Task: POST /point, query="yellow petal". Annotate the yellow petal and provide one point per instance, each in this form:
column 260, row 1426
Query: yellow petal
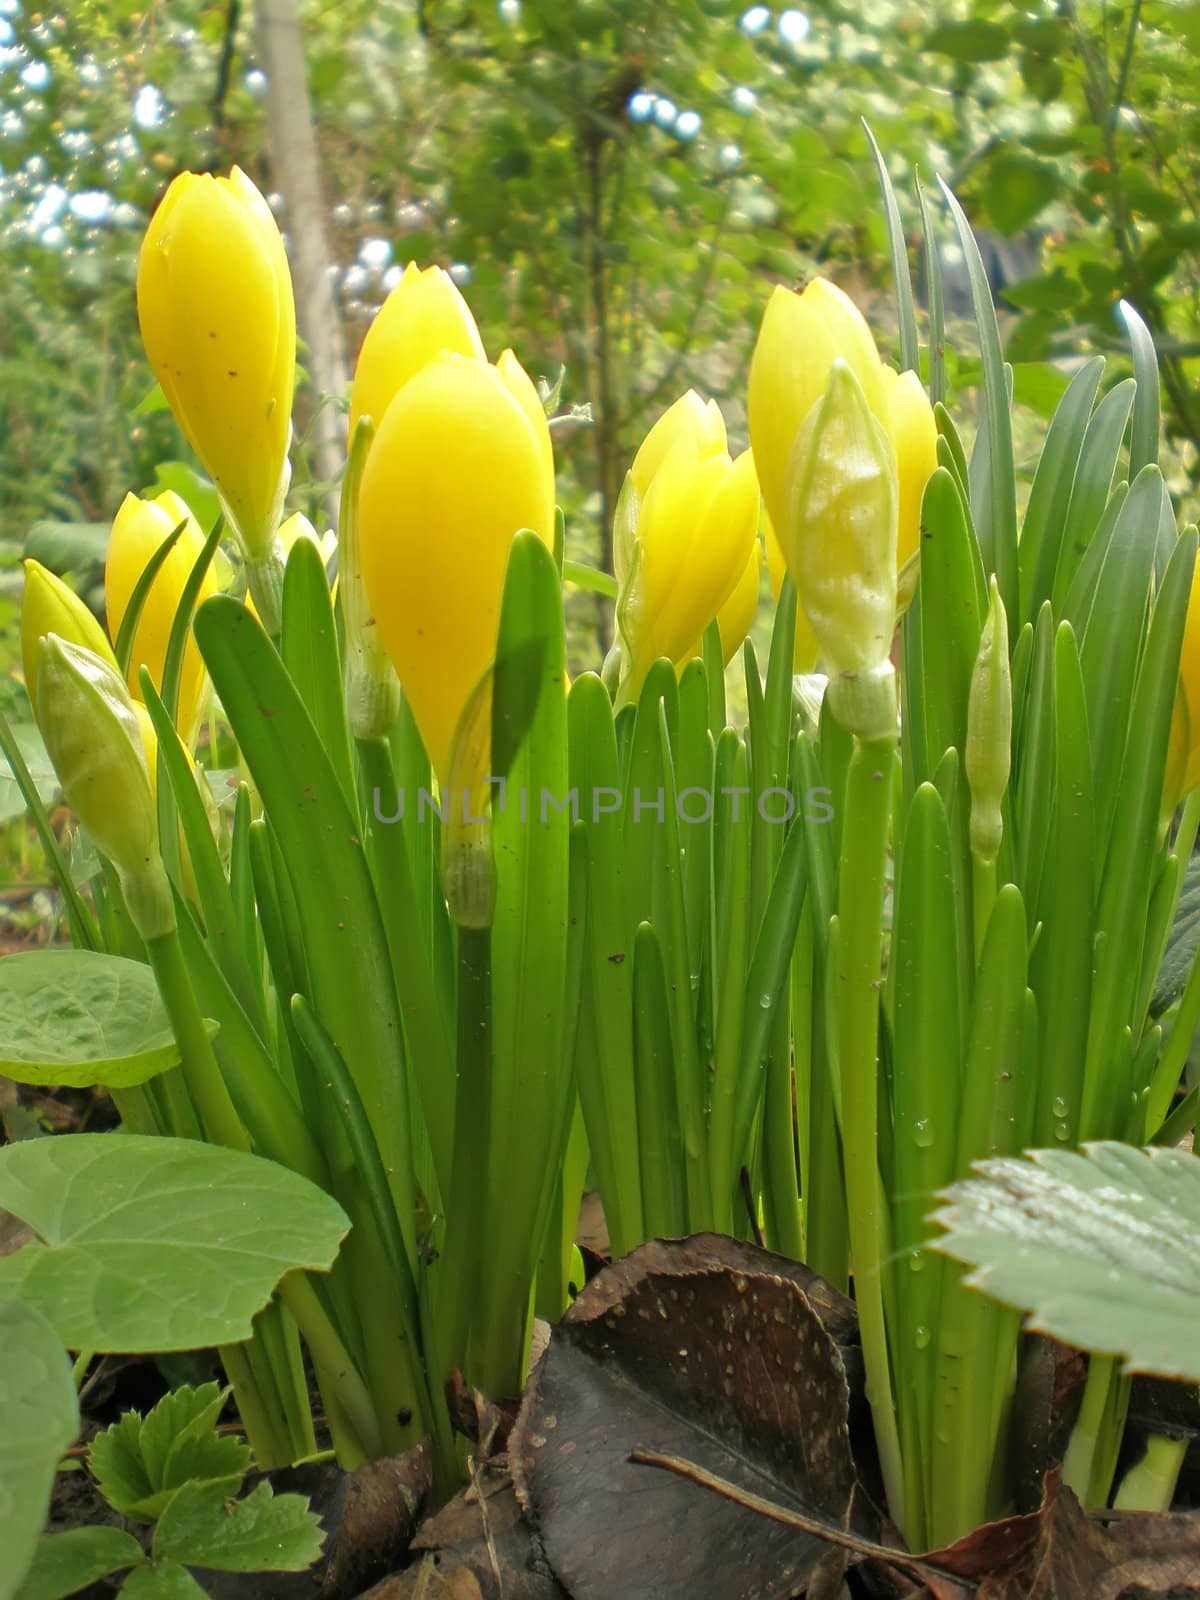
column 48, row 606
column 423, row 316
column 800, row 336
column 456, row 470
column 139, row 527
column 218, row 321
column 914, row 434
column 689, row 416
column 736, row 616
column 805, row 652
column 524, row 391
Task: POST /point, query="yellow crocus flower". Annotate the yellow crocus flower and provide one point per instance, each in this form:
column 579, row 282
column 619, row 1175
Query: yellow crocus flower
column 48, row 606
column 423, row 316
column 456, row 470
column 139, row 527
column 685, row 536
column 218, row 321
column 914, row 438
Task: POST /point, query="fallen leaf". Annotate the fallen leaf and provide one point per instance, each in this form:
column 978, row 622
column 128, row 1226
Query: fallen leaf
column 705, row 1351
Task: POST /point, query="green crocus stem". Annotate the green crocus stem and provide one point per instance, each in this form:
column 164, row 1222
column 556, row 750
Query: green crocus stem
column 333, row 1362
column 1150, row 1483
column 221, row 1123
column 983, row 898
column 1092, row 1450
column 264, row 579
column 469, row 1179
column 134, row 1109
column 267, row 1440
column 868, row 800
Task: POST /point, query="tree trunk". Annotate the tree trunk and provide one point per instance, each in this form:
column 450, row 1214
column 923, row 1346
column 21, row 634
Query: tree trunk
column 296, row 174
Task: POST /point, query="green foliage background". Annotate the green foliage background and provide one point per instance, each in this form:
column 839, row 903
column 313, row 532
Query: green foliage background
column 501, row 138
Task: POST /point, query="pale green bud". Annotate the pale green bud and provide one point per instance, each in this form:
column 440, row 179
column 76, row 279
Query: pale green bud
column 839, row 539
column 94, row 739
column 989, row 731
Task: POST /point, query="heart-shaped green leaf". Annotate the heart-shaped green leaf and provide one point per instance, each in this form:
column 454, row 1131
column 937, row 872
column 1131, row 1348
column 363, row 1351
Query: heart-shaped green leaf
column 77, row 1017
column 157, row 1244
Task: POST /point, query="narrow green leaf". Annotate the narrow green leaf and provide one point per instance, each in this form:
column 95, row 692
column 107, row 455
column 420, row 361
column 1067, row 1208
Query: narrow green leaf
column 591, row 578
column 902, row 278
column 345, row 944
column 123, row 643
column 1143, row 445
column 664, row 1178
column 933, row 283
column 531, row 1084
column 308, row 644
column 83, row 928
column 1093, row 485
column 999, row 544
column 1045, row 521
column 953, row 604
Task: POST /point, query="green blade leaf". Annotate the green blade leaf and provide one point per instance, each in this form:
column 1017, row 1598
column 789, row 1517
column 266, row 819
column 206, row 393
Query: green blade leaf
column 70, row 1561
column 1101, row 1248
column 1143, row 446
column 265, row 1532
column 78, row 1017
column 308, row 644
column 901, row 276
column 156, row 1244
column 39, row 1417
column 997, row 520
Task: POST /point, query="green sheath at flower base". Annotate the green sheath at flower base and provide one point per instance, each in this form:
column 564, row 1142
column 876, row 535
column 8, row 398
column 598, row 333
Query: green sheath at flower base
column 839, row 538
column 94, row 739
column 989, row 731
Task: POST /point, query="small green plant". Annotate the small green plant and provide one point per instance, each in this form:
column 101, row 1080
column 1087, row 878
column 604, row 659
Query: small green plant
column 174, row 1472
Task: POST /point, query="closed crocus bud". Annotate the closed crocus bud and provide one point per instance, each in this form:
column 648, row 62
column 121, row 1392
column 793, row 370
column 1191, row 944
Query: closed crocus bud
column 736, row 616
column 48, row 605
column 914, row 436
column 839, row 540
column 685, row 534
column 94, row 739
column 423, row 317
column 800, row 338
column 457, row 469
column 989, row 731
column 218, row 321
column 805, row 651
column 1183, row 752
column 139, row 528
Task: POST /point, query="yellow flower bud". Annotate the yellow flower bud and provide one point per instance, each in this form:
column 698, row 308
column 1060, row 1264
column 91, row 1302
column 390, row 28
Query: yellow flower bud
column 138, row 529
column 839, row 539
column 988, row 756
column 94, row 739
column 805, row 652
column 800, row 338
column 736, row 616
column 456, row 471
column 690, row 416
column 423, row 316
column 524, row 391
column 49, row 606
column 914, row 435
column 685, row 539
column 218, row 321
